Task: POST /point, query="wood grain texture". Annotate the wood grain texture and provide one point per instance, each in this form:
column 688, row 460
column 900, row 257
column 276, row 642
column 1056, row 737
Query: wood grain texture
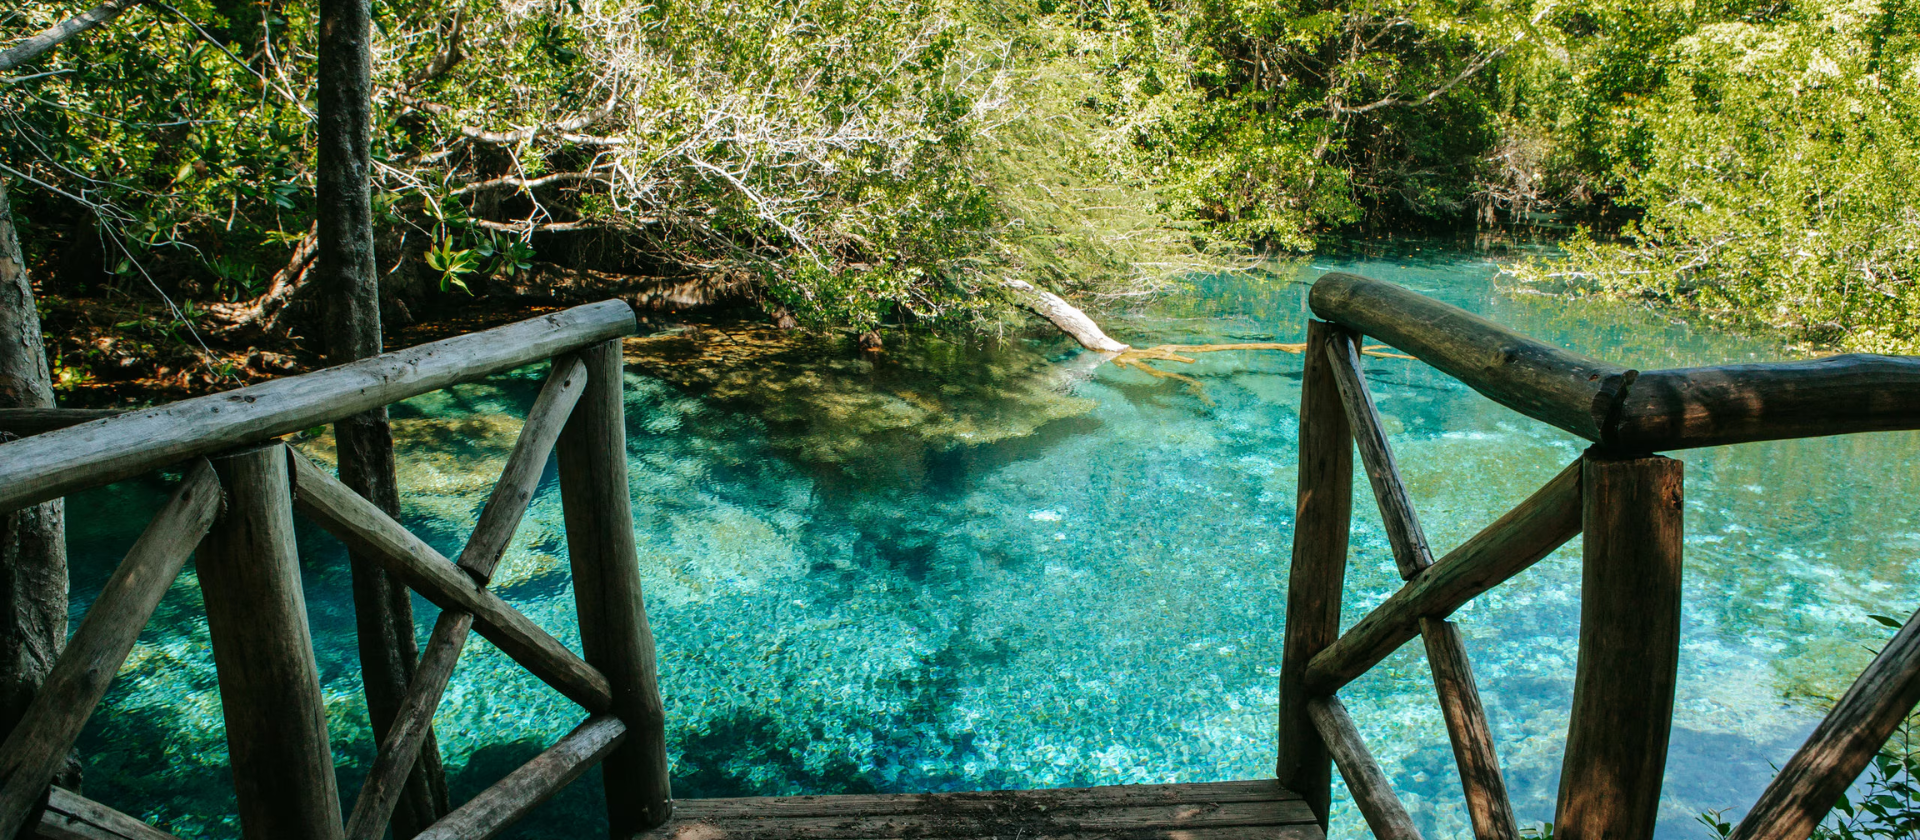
column 54, row 464
column 70, row 816
column 21, row 422
column 1372, row 793
column 1208, row 811
column 1410, row 552
column 521, row 477
column 1544, row 382
column 1323, row 515
column 1523, row 536
column 269, row 685
column 1841, row 746
column 509, row 799
column 1480, row 778
column 1629, row 649
column 363, row 527
column 1690, row 407
column 598, row 509
column 37, row 748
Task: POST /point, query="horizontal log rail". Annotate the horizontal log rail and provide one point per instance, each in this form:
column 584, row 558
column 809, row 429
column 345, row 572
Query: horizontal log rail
column 1626, row 501
column 1625, row 410
column 234, row 514
column 57, row 463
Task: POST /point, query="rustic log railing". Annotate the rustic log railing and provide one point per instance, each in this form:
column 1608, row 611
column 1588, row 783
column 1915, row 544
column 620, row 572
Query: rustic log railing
column 1627, row 502
column 234, row 514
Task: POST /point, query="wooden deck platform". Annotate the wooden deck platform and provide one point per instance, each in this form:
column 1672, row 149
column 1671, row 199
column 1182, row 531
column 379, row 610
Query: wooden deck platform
column 1253, row 810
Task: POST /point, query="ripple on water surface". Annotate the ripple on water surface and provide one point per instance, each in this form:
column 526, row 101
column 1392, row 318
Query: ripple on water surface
column 953, row 568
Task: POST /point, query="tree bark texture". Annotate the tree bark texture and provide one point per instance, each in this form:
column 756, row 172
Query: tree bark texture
column 345, row 269
column 33, row 542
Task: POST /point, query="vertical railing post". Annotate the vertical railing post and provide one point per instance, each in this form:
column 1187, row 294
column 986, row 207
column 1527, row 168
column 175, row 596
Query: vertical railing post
column 606, row 587
column 1320, row 530
column 269, row 685
column 1629, row 649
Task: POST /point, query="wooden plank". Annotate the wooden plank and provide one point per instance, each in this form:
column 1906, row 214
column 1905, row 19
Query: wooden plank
column 1410, row 551
column 1523, row 536
column 1564, row 389
column 1629, row 650
column 1689, row 407
column 1372, row 792
column 1054, row 799
column 773, row 830
column 363, row 527
column 70, row 816
column 54, row 464
column 22, row 422
column 1005, row 819
column 401, row 745
column 1480, row 777
column 1323, row 515
column 598, row 509
column 1842, row 745
column 38, row 746
column 514, row 491
column 535, row 782
column 276, row 716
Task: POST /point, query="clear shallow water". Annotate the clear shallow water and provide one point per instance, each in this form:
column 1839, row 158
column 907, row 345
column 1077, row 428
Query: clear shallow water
column 954, row 568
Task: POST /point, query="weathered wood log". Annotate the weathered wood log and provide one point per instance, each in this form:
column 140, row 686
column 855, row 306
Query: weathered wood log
column 54, row 464
column 37, row 748
column 1473, row 753
column 598, row 508
column 1372, row 792
column 356, row 522
column 23, row 422
column 37, row 44
column 1544, row 382
column 1523, row 536
column 1629, row 649
column 1689, row 407
column 1842, row 745
column 1323, row 514
column 509, row 799
column 514, row 491
column 1410, row 551
column 1067, row 317
column 269, row 685
column 70, row 816
column 413, row 722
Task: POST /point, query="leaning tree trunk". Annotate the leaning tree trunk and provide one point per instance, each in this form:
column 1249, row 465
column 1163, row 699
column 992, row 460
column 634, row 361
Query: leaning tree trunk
column 345, row 273
column 33, row 542
column 1066, row 316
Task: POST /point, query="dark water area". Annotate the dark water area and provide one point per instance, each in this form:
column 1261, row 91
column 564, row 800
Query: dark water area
column 955, row 567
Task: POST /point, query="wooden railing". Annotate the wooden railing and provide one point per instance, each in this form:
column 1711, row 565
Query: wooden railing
column 234, row 514
column 1626, row 501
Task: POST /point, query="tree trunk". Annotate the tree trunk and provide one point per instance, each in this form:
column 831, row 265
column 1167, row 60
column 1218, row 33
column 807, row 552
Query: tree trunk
column 33, row 541
column 1066, row 316
column 345, row 271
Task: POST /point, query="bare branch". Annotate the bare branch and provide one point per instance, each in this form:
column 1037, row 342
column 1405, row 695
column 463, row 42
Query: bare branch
column 46, row 39
column 529, row 184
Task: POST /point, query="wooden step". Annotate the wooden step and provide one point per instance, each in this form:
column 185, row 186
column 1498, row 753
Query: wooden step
column 1206, row 811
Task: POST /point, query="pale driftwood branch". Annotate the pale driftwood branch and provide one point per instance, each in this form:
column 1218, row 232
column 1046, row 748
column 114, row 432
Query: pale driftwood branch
column 1064, row 315
column 369, row 530
column 1372, row 792
column 1530, row 531
column 38, row 745
column 535, row 782
column 541, row 227
column 1323, row 516
column 518, row 184
column 54, row 464
column 37, row 44
column 1409, row 541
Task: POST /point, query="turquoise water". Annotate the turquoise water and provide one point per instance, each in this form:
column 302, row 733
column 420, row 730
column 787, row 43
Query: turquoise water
column 954, row 568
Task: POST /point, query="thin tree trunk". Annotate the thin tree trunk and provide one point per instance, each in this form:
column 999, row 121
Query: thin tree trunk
column 37, row 44
column 33, row 541
column 345, row 271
